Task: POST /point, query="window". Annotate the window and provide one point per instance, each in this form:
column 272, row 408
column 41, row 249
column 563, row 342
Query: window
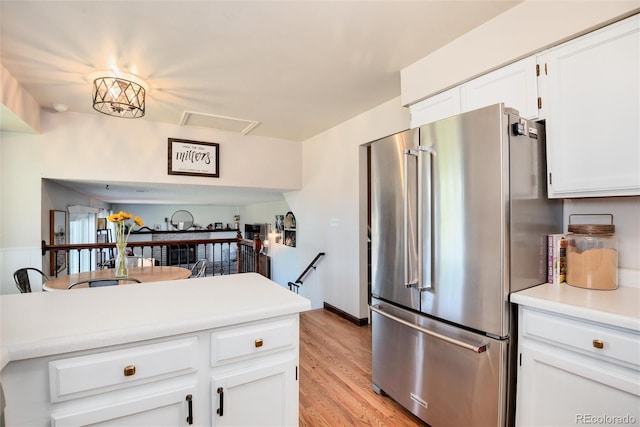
column 82, row 229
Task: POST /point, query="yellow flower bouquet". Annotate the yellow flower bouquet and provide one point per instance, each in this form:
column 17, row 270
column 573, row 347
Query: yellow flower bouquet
column 122, row 231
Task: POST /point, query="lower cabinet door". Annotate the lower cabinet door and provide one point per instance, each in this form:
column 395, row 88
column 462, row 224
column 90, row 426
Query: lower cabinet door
column 171, row 408
column 264, row 395
column 559, row 388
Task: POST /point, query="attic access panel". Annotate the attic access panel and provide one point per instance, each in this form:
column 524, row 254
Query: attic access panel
column 213, row 121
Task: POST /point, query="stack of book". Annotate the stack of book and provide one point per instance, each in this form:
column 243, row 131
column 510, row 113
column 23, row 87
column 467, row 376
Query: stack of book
column 556, row 258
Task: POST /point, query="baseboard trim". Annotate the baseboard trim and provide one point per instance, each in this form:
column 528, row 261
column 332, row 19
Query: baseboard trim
column 344, row 314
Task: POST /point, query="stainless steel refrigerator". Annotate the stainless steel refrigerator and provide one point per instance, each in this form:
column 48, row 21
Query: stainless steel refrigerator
column 459, row 218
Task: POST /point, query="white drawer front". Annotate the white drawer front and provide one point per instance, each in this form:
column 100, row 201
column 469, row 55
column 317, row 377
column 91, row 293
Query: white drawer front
column 165, row 408
column 616, row 345
column 245, row 341
column 96, row 373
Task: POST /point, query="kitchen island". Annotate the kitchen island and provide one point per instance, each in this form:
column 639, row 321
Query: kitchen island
column 579, row 356
column 181, row 352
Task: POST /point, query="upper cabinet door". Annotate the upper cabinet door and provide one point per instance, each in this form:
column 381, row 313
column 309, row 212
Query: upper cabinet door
column 515, row 85
column 441, row 106
column 593, row 113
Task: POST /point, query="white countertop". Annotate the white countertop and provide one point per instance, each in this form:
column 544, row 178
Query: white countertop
column 620, row 307
column 45, row 323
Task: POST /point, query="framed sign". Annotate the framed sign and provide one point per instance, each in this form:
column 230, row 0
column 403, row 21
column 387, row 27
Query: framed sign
column 194, row 158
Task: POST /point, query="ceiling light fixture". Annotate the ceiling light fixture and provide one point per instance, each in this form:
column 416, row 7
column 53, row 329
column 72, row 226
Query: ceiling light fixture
column 121, row 96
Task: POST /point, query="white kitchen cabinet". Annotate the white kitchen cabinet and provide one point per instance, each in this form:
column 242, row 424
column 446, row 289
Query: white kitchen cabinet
column 593, row 113
column 255, row 366
column 437, row 107
column 268, row 389
column 142, row 384
column 169, row 408
column 514, row 85
column 165, row 382
column 106, row 356
column 573, row 371
column 80, row 376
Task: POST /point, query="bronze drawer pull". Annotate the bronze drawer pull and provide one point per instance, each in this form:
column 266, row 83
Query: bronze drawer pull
column 598, row 344
column 259, row 342
column 189, row 399
column 129, row 370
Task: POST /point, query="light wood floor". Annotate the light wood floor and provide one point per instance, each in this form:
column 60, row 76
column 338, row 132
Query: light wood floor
column 335, row 376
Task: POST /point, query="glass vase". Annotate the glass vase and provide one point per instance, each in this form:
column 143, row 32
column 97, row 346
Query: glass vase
column 121, row 261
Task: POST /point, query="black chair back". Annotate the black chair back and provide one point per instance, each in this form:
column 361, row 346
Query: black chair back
column 21, row 277
column 96, row 283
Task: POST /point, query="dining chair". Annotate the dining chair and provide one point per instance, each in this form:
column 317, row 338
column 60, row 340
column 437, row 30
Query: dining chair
column 21, row 277
column 96, row 283
column 107, row 263
column 198, row 269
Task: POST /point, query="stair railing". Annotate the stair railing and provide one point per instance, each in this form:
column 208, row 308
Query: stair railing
column 295, row 286
column 247, row 258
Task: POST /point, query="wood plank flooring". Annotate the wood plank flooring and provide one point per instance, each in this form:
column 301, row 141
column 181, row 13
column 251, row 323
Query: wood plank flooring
column 335, row 376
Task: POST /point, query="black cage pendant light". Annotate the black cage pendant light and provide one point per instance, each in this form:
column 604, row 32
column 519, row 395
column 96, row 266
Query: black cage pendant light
column 115, row 96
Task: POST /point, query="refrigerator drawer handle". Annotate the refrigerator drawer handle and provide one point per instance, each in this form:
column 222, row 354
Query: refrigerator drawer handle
column 475, row 349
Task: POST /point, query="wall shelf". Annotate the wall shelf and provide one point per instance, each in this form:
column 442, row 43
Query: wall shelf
column 225, row 230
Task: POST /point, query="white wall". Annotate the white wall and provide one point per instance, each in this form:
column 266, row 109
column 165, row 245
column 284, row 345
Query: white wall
column 263, row 213
column 203, row 215
column 97, row 147
column 284, row 259
column 53, row 196
column 18, row 109
column 329, row 211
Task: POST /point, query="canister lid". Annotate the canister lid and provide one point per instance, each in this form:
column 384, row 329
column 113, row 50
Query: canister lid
column 592, row 228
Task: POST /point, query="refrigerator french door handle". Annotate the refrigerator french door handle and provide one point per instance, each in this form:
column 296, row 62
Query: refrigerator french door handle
column 466, row 346
column 424, row 218
column 410, row 280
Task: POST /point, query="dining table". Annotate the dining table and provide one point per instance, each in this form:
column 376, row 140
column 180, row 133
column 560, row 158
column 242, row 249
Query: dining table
column 142, row 274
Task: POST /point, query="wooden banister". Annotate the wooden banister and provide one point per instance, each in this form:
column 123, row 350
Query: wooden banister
column 311, row 265
column 249, row 249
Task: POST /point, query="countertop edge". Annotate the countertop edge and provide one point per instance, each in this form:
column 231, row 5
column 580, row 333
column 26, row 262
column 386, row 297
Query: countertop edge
column 123, row 315
column 619, row 308
column 118, row 337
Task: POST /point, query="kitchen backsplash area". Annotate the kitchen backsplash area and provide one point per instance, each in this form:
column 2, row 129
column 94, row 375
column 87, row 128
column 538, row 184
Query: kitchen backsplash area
column 626, row 217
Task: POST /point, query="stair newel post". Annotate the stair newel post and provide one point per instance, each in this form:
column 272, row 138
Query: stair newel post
column 238, row 252
column 257, row 246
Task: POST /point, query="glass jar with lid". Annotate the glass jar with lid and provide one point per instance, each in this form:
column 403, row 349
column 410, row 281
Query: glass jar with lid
column 592, row 255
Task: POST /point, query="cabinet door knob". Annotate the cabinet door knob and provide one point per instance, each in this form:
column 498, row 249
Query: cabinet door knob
column 129, row 370
column 598, row 344
column 259, row 342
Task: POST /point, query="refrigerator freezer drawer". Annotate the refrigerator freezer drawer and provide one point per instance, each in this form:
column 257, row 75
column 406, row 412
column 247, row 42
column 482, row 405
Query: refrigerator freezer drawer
column 444, row 375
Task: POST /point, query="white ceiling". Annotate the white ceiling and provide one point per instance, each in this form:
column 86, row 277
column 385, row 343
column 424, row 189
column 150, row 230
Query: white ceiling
column 170, row 194
column 296, row 67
